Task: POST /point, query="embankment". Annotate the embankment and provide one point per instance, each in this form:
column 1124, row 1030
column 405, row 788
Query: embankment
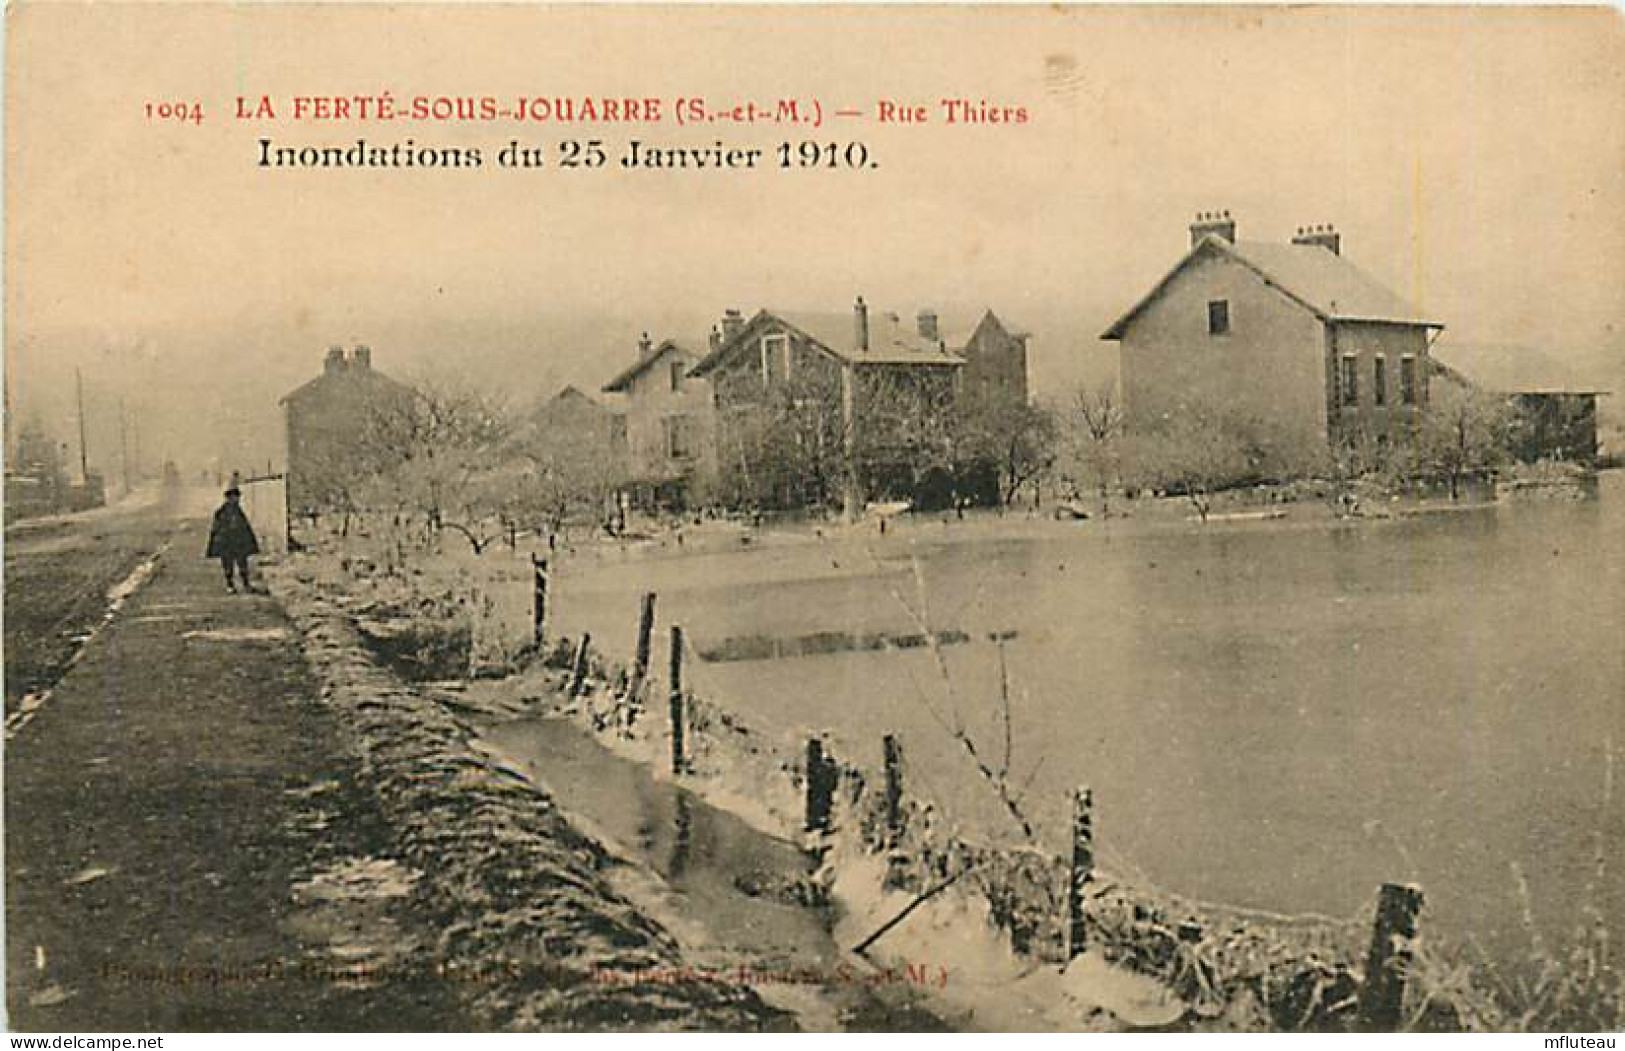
column 525, row 920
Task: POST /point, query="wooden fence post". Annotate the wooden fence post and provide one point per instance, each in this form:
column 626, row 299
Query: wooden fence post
column 893, row 751
column 640, row 661
column 677, row 759
column 822, row 777
column 578, row 668
column 538, row 609
column 1387, row 965
column 1081, row 871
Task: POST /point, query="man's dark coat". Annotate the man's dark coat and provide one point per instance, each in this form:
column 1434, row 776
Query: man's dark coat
column 231, row 536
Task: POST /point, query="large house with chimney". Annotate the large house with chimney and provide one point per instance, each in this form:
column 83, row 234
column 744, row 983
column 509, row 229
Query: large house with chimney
column 665, row 423
column 1291, row 335
column 327, row 423
column 820, row 407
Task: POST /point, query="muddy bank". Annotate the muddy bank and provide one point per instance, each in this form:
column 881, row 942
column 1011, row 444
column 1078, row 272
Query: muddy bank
column 525, row 920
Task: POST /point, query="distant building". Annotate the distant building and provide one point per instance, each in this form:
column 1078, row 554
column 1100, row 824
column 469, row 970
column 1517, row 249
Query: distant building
column 799, row 397
column 36, row 476
column 995, row 360
column 330, row 424
column 574, row 425
column 666, row 421
column 1556, row 407
column 570, row 456
column 1292, row 335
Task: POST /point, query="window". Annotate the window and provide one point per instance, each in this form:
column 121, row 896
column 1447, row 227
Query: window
column 1379, row 380
column 775, row 359
column 1218, row 317
column 677, row 375
column 1407, row 380
column 1351, row 380
column 679, row 442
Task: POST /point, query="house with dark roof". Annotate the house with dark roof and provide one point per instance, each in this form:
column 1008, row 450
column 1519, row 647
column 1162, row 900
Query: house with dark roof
column 811, row 407
column 327, row 422
column 666, row 423
column 1292, row 335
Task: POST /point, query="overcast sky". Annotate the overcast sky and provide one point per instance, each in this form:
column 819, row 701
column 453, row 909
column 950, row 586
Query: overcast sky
column 1473, row 159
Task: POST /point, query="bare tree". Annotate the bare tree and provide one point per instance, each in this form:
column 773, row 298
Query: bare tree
column 1464, row 431
column 565, row 464
column 1018, row 440
column 1093, row 429
column 443, row 447
column 786, row 450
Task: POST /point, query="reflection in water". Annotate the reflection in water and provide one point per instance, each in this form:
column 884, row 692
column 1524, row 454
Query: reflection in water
column 677, row 863
column 704, row 854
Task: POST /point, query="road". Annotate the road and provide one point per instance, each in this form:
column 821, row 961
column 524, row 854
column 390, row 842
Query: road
column 174, row 786
column 58, row 573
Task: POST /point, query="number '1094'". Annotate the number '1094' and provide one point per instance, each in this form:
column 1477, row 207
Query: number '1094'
column 185, row 112
column 811, row 154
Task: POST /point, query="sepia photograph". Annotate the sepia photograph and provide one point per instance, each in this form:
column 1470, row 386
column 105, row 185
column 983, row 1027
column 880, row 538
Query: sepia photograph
column 635, row 518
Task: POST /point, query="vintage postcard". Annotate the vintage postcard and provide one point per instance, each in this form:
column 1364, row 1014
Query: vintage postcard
column 814, row 518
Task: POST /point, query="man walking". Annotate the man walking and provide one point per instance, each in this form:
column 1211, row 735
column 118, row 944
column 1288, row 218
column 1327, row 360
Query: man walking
column 231, row 539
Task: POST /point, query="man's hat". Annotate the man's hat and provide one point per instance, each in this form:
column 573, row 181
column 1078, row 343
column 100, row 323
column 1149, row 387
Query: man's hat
column 234, row 491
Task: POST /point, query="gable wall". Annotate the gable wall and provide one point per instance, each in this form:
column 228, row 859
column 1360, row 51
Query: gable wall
column 1270, row 366
column 326, row 433
column 995, row 364
column 738, row 382
column 649, row 400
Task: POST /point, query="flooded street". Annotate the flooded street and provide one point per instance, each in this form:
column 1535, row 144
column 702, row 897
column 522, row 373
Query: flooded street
column 1276, row 715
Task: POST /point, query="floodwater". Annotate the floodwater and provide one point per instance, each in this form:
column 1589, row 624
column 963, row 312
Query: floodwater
column 738, row 879
column 1277, row 715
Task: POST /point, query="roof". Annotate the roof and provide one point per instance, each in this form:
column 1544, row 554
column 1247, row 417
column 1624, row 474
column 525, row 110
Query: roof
column 346, row 376
column 961, row 337
column 891, row 342
column 623, row 381
column 571, row 393
column 569, row 407
column 1319, row 279
column 1509, row 369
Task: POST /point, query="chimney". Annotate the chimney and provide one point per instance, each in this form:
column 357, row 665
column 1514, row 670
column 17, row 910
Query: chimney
column 715, row 338
column 1325, row 236
column 645, row 345
column 733, row 322
column 928, row 325
column 335, row 361
column 361, row 359
column 1218, row 224
column 860, row 324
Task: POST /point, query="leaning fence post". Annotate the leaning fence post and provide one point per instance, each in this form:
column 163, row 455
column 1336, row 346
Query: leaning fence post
column 578, row 667
column 821, row 781
column 538, row 609
column 1081, row 870
column 893, row 751
column 677, row 760
column 1387, row 965
column 640, row 661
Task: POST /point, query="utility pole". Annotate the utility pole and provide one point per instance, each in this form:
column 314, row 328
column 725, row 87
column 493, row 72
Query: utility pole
column 84, row 457
column 124, row 443
column 135, row 443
